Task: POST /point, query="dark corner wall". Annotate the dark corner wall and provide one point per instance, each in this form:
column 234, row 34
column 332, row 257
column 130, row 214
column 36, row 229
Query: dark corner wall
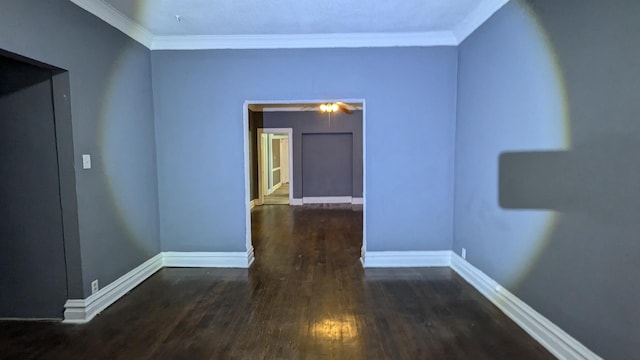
column 112, row 120
column 329, row 153
column 410, row 108
column 546, row 169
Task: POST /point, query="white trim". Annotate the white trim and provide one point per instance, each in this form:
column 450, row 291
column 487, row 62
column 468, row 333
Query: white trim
column 476, row 18
column 250, row 256
column 118, row 20
column 260, row 131
column 357, row 201
column 208, row 259
column 327, row 200
column 80, row 311
column 549, row 335
column 295, row 202
column 291, row 108
column 252, row 203
column 303, row 41
column 400, row 259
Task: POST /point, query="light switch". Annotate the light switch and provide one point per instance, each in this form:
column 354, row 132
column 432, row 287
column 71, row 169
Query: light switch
column 86, row 161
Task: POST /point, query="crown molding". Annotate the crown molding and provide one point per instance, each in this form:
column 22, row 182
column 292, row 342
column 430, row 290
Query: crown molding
column 117, row 19
column 301, row 41
column 476, row 18
column 137, row 32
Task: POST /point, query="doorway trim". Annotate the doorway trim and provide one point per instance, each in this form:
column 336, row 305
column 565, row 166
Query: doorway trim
column 247, row 174
column 261, row 180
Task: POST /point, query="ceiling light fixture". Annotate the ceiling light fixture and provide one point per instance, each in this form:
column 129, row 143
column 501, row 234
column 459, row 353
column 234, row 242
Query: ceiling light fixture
column 329, row 107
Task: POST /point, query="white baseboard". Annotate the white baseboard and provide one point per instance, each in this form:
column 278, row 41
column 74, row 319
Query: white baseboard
column 549, row 335
column 327, row 200
column 252, row 204
column 207, row 259
column 250, row 256
column 399, row 259
column 79, row 311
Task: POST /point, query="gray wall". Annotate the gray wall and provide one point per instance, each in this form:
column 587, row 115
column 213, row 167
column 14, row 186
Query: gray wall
column 327, row 164
column 32, row 257
column 311, row 122
column 562, row 167
column 112, row 119
column 410, row 99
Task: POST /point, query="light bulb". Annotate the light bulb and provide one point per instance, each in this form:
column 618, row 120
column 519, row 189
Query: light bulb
column 323, row 107
column 334, row 107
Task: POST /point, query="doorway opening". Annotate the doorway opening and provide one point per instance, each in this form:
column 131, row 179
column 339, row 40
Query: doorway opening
column 275, row 160
column 39, row 242
column 307, row 155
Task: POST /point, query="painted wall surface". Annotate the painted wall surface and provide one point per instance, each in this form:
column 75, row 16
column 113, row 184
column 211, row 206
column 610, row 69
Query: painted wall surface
column 112, row 118
column 410, row 103
column 312, row 122
column 546, row 174
column 32, row 256
column 326, row 170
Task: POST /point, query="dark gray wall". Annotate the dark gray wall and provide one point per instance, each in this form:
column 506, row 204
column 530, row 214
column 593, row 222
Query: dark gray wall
column 311, row 122
column 32, row 257
column 112, row 119
column 562, row 167
column 410, row 106
column 327, row 164
column 255, row 122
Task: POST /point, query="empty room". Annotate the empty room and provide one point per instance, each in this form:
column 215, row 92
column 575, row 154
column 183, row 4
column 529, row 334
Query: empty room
column 337, row 179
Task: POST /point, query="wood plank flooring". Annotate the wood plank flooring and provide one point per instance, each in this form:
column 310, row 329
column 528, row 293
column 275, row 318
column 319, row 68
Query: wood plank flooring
column 278, row 197
column 305, row 297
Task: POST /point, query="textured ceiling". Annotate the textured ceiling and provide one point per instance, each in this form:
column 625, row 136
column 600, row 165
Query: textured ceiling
column 241, row 17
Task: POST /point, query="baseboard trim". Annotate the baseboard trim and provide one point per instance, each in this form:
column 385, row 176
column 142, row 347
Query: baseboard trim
column 549, row 335
column 252, row 204
column 327, row 200
column 208, row 259
column 250, row 256
column 357, row 201
column 400, row 259
column 80, row 311
column 295, row 202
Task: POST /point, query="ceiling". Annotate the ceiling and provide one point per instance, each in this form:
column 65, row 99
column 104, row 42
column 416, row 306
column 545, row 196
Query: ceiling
column 188, row 24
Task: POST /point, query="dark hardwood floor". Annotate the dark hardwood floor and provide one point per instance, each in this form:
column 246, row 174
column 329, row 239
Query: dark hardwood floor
column 305, row 297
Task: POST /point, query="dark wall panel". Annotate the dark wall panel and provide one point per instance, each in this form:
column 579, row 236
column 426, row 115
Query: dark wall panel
column 327, row 165
column 32, row 258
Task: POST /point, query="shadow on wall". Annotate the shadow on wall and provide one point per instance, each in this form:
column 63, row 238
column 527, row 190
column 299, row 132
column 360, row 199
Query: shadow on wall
column 597, row 179
column 590, row 262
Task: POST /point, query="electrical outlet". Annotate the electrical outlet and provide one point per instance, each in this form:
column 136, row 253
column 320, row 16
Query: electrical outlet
column 94, row 287
column 464, row 253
